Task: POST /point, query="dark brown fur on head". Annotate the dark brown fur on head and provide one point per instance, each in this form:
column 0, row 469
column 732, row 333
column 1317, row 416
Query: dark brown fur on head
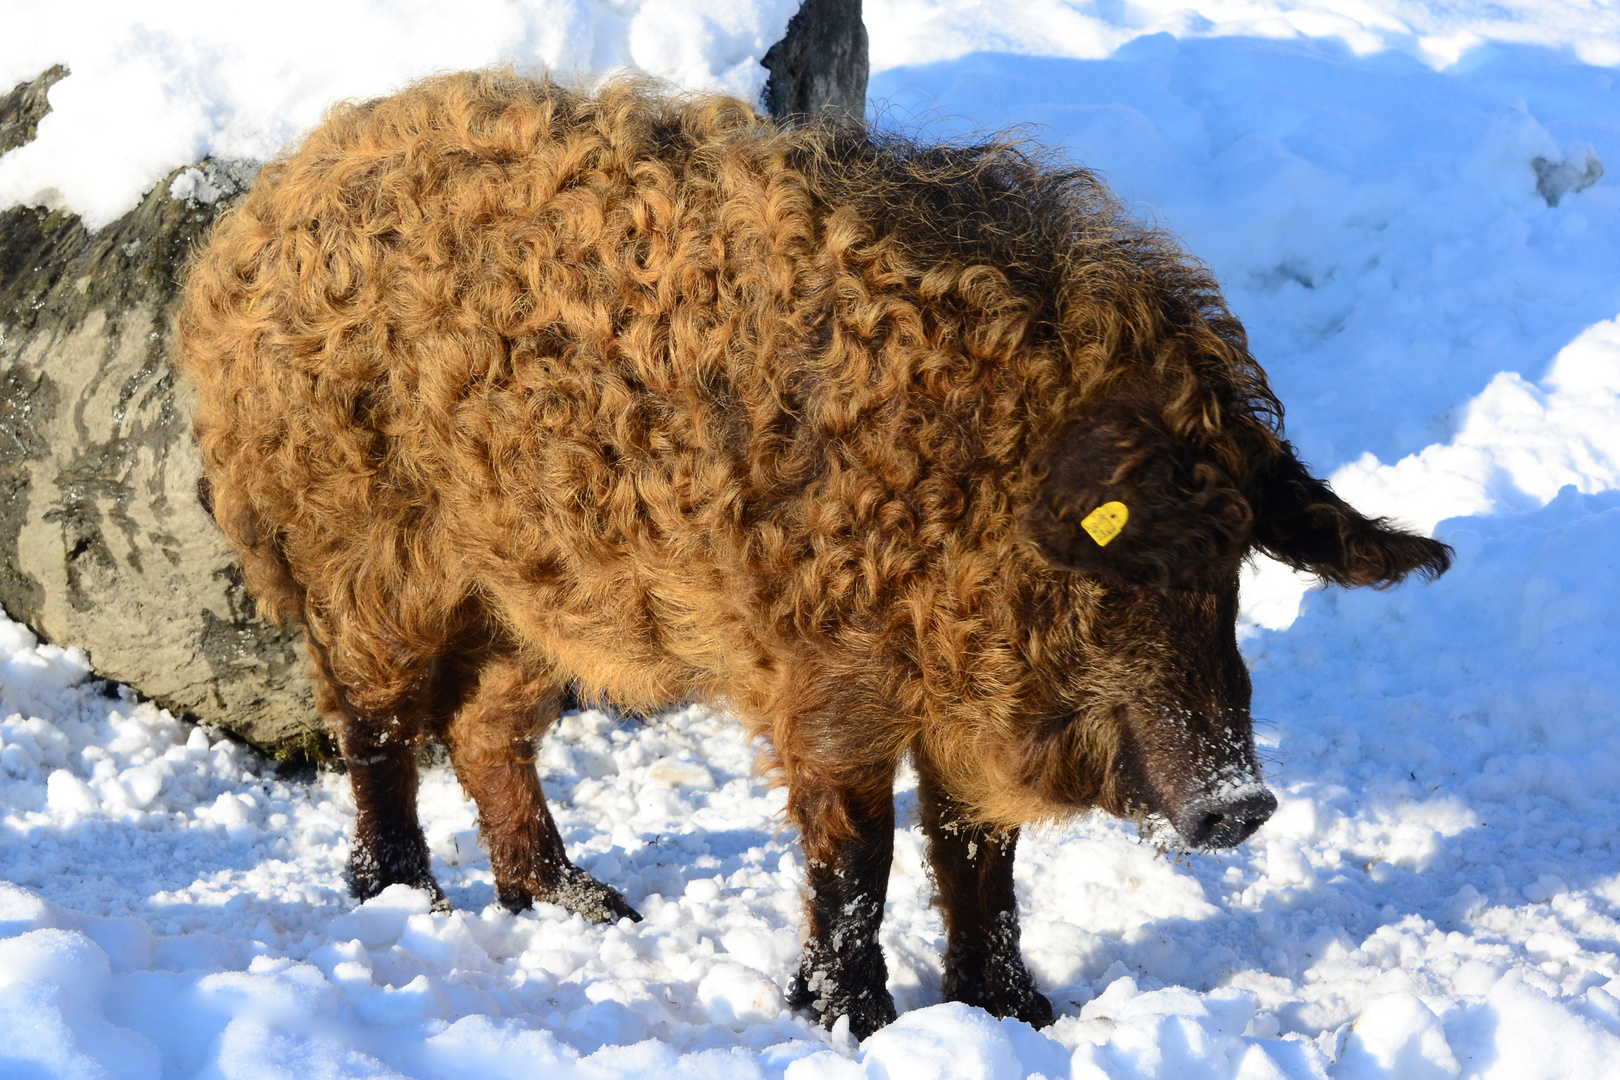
column 1188, row 522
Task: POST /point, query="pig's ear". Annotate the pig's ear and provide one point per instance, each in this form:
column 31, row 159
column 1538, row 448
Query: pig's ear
column 1299, row 521
column 1123, row 499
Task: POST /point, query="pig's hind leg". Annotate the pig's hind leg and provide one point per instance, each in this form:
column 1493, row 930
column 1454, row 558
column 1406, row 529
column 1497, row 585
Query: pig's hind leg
column 497, row 710
column 973, row 876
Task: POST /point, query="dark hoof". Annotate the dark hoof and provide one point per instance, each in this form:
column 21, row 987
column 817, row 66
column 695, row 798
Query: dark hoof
column 1012, row 994
column 868, row 1008
column 1033, row 1009
column 365, row 881
column 1029, row 1006
column 578, row 892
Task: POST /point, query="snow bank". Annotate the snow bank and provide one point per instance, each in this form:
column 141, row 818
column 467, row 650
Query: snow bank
column 1517, row 446
column 1376, row 225
column 922, row 31
column 158, row 85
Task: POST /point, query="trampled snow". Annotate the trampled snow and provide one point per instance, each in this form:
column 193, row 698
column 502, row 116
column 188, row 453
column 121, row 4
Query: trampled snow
column 1438, row 894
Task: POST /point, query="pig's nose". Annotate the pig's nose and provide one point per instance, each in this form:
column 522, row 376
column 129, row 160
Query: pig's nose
column 1225, row 819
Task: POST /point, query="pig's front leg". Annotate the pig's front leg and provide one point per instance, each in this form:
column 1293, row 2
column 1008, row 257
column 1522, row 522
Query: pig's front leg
column 973, row 873
column 848, row 832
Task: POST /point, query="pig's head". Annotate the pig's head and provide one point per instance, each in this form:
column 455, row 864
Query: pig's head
column 1149, row 707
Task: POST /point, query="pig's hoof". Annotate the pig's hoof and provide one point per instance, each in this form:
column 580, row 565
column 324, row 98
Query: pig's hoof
column 577, row 891
column 869, row 1007
column 1012, row 994
column 1032, row 1008
column 366, row 878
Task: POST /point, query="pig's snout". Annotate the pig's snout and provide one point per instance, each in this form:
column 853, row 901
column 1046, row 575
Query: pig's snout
column 1225, row 818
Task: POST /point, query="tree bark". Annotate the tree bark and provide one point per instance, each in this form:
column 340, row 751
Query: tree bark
column 820, row 65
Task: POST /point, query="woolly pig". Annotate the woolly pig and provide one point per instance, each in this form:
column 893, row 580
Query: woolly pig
column 896, row 451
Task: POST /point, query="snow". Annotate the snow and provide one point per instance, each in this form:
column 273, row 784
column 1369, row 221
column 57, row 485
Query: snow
column 1438, row 894
column 1518, row 443
column 923, row 31
column 162, row 84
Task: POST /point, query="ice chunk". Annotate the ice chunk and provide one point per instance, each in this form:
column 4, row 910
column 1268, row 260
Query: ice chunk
column 737, row 996
column 381, row 920
column 950, row 1041
column 69, row 796
column 1397, row 1037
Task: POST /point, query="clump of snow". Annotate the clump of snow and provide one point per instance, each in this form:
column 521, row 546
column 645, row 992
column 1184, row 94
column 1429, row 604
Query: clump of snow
column 206, row 184
column 1398, row 1035
column 157, row 86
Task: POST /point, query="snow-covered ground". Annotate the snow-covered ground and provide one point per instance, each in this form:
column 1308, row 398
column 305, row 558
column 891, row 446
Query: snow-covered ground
column 1438, row 895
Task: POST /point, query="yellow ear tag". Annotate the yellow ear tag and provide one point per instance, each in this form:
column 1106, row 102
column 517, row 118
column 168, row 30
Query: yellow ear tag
column 1105, row 522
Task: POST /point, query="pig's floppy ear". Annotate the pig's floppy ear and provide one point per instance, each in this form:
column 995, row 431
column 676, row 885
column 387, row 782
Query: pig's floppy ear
column 1299, row 521
column 1123, row 499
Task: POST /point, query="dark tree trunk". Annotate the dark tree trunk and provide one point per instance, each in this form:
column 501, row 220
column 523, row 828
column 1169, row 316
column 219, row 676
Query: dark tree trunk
column 820, row 65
